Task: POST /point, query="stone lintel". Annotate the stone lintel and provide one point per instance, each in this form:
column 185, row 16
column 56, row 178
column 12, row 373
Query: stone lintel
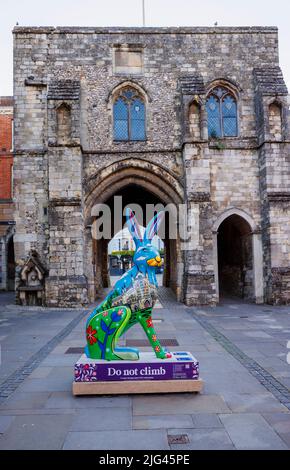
column 67, row 145
column 65, row 202
column 128, row 151
column 279, row 197
column 31, row 81
column 29, row 152
column 199, row 197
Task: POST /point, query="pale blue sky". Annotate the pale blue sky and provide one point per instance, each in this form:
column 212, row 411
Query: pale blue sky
column 129, row 13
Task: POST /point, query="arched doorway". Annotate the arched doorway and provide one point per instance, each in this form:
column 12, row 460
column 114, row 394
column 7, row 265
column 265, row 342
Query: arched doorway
column 238, row 257
column 235, row 258
column 130, row 195
column 135, row 185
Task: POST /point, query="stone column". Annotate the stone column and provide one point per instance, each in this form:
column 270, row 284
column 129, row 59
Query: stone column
column 66, row 284
column 258, row 267
column 199, row 285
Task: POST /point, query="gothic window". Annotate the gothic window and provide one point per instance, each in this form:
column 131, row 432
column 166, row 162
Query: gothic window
column 221, row 108
column 129, row 116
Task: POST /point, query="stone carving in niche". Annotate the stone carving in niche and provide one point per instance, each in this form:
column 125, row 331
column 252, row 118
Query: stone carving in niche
column 32, row 275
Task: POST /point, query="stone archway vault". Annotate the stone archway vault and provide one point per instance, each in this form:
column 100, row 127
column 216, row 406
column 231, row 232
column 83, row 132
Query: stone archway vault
column 106, row 183
column 256, row 249
column 156, row 179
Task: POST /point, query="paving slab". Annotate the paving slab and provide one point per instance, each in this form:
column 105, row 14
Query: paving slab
column 251, row 431
column 52, row 384
column 41, row 372
column 162, row 422
column 36, row 432
column 206, row 420
column 178, row 404
column 63, row 400
column 117, row 440
column 5, row 422
column 280, row 422
column 102, row 419
column 248, row 402
column 25, row 400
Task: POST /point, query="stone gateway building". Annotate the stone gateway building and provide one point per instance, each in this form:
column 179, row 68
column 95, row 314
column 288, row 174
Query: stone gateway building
column 195, row 116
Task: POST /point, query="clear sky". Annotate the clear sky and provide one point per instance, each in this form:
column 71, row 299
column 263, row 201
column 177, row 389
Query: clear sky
column 129, row 13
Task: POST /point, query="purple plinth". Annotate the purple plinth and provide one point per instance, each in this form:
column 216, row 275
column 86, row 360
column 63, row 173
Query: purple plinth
column 182, row 366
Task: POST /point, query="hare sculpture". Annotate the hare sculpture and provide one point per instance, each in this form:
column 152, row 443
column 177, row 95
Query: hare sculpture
column 131, row 301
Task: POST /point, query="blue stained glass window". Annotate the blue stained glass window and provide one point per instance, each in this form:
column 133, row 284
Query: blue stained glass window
column 221, row 109
column 121, row 130
column 129, row 116
column 137, row 120
column 229, row 108
column 213, row 117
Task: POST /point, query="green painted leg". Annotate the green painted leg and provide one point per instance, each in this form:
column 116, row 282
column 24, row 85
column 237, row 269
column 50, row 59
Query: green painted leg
column 103, row 332
column 147, row 325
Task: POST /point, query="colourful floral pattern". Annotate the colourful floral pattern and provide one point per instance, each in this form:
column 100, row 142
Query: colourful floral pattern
column 149, row 322
column 85, row 373
column 91, row 335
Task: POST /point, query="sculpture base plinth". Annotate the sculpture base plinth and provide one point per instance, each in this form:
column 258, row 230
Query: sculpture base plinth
column 147, row 375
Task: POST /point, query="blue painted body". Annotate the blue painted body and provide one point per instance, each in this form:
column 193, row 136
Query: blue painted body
column 130, row 301
column 144, row 252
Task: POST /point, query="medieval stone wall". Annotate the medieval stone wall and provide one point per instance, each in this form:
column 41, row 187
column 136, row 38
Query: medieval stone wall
column 65, row 82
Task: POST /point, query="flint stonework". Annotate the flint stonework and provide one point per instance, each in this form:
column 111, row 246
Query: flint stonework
column 66, row 159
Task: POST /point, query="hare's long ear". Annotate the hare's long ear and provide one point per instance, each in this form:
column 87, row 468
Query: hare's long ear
column 133, row 227
column 153, row 226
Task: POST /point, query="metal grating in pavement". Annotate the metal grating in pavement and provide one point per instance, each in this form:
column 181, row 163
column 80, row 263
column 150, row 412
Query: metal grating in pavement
column 177, row 439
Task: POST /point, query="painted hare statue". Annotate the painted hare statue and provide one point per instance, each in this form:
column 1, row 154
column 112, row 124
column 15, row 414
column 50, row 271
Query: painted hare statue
column 130, row 302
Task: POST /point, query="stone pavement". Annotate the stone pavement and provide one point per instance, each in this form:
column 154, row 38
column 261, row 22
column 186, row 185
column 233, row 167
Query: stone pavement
column 235, row 411
column 261, row 333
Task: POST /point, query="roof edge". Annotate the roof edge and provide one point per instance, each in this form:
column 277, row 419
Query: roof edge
column 144, row 30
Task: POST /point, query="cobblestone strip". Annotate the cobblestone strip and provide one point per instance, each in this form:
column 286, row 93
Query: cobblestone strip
column 167, row 298
column 279, row 391
column 17, row 377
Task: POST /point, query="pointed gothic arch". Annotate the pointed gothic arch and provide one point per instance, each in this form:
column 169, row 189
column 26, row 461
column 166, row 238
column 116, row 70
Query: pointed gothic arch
column 242, row 238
